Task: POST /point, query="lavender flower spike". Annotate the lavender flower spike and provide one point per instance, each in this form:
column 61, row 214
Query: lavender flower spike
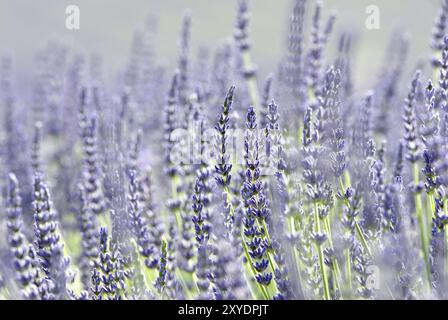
column 89, row 233
column 24, row 269
column 256, row 206
column 223, row 165
column 49, row 247
column 138, row 222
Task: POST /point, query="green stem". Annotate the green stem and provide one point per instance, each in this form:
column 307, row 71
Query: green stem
column 432, row 204
column 246, row 252
column 174, row 184
column 341, row 185
column 359, row 232
column 321, row 255
column 348, row 268
column 254, row 272
column 335, row 268
column 182, row 276
column 271, row 260
column 363, row 239
column 421, row 222
column 272, row 287
column 294, row 251
column 357, row 226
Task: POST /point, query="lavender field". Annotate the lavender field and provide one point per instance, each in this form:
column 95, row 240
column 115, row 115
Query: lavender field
column 187, row 169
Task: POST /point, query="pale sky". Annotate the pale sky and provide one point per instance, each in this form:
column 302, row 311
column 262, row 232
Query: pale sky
column 107, row 27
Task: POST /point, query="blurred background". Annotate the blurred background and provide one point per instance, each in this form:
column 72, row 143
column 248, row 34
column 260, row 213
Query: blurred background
column 107, row 28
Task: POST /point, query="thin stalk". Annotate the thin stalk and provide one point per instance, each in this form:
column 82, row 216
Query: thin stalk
column 348, row 268
column 432, row 204
column 335, row 269
column 254, row 290
column 321, row 255
column 357, row 226
column 363, row 239
column 360, row 234
column 246, row 253
column 294, row 251
column 183, row 282
column 248, row 257
column 254, row 272
column 272, row 288
column 341, row 185
column 186, row 278
column 421, row 221
column 174, row 184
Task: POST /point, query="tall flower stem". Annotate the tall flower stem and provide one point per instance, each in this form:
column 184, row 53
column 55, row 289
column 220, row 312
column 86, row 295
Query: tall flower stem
column 175, row 182
column 320, row 252
column 256, row 236
column 252, row 270
column 348, row 268
column 359, row 231
column 334, row 264
column 421, row 221
column 291, row 222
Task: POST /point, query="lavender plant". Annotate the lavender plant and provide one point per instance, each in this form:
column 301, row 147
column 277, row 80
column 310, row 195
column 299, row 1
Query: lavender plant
column 229, row 182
